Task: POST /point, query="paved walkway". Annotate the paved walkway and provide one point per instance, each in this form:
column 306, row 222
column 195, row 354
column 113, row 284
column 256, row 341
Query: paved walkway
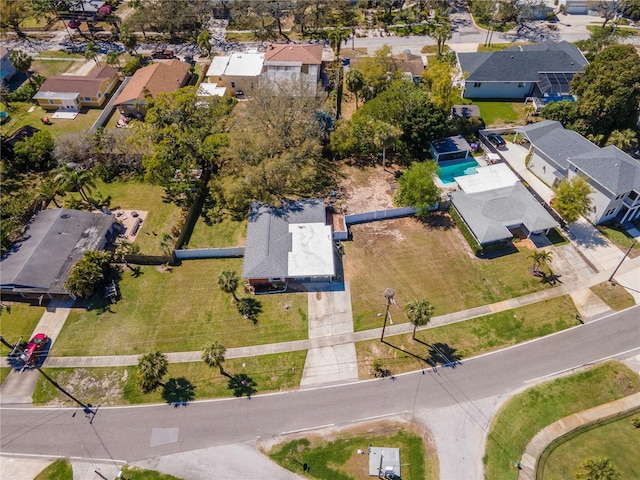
column 543, row 438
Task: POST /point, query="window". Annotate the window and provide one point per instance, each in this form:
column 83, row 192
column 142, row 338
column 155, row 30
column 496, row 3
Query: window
column 51, row 102
column 477, row 84
column 233, row 84
column 99, row 95
column 633, row 195
column 521, row 85
column 87, row 99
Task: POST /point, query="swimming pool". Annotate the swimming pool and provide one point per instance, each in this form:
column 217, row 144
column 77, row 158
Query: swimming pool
column 456, row 168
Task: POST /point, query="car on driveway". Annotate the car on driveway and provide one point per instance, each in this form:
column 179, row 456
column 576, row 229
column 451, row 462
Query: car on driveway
column 74, row 23
column 496, row 140
column 33, row 350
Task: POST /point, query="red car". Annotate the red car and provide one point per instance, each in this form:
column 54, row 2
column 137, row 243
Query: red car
column 74, row 23
column 31, row 353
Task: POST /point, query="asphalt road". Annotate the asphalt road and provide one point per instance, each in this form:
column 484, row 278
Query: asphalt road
column 135, row 433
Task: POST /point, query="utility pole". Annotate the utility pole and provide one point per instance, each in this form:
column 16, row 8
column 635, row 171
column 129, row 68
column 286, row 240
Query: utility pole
column 388, row 294
column 623, row 258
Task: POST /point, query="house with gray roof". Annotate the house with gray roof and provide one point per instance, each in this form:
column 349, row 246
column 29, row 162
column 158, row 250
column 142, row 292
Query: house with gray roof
column 521, row 71
column 52, row 242
column 291, row 243
column 614, row 176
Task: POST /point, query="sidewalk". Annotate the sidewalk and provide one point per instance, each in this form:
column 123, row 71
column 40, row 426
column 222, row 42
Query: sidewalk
column 543, row 438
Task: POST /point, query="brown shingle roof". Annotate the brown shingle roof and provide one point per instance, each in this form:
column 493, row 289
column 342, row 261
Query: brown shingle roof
column 282, row 52
column 156, row 78
column 83, row 85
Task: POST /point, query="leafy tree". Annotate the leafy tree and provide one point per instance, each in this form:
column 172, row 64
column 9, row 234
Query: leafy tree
column 6, row 98
column 626, row 140
column 21, row 62
column 124, row 248
column 152, row 367
column 417, row 187
column 597, row 469
column 354, row 81
column 48, row 190
column 438, row 79
column 379, row 71
column 204, row 42
column 34, row 153
column 213, row 355
column 565, row 112
column 88, row 273
column 440, row 30
column 598, row 40
column 13, row 14
column 228, row 282
column 573, row 199
column 419, row 312
column 423, row 123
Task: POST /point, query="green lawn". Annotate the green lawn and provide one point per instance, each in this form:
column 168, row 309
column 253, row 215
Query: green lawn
column 427, row 260
column 58, row 470
column 225, row 233
column 529, row 412
column 468, row 338
column 4, row 371
column 18, row 319
column 117, row 386
column 614, row 295
column 135, row 473
column 620, row 238
column 337, row 459
column 176, row 311
column 499, row 113
column 134, row 195
column 616, row 440
column 48, row 68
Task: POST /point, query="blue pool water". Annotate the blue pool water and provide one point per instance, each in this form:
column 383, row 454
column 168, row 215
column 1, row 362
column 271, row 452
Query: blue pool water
column 456, row 168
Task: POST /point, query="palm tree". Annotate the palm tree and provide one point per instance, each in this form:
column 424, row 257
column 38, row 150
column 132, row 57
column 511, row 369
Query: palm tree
column 48, row 190
column 204, row 42
column 124, row 248
column 228, row 281
column 354, row 81
column 384, row 136
column 113, row 59
column 388, row 293
column 72, row 178
column 419, row 313
column 213, row 356
column 597, row 469
column 91, row 52
column 151, row 368
column 539, row 257
column 336, row 36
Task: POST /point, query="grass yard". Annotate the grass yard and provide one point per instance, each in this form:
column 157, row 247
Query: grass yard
column 620, row 238
column 16, row 320
column 58, row 470
column 614, row 295
column 499, row 113
column 225, row 233
column 135, row 473
column 48, row 68
column 616, row 440
column 529, row 412
column 144, row 196
column 469, row 338
column 427, row 260
column 4, row 371
column 334, row 456
column 179, row 310
column 183, row 381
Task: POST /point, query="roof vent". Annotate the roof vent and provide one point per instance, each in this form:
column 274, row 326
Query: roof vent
column 511, row 56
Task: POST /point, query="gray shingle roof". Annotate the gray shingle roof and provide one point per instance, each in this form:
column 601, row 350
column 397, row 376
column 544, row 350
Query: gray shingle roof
column 522, row 65
column 489, row 214
column 55, row 240
column 268, row 238
column 610, row 167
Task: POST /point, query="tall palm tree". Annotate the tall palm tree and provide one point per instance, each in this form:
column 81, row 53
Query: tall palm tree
column 91, row 52
column 113, row 59
column 72, row 178
column 597, row 469
column 228, row 281
column 384, row 136
column 419, row 313
column 204, row 42
column 213, row 356
column 48, row 190
column 354, row 81
column 151, row 368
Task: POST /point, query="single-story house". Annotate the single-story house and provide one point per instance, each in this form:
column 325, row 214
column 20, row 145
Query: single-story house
column 90, row 7
column 412, row 66
column 614, row 176
column 291, row 243
column 293, row 63
column 450, row 148
column 52, row 242
column 73, row 92
column 160, row 77
column 7, row 70
column 237, row 72
column 520, row 71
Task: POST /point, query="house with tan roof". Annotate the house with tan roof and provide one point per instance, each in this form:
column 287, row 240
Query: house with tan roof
column 160, row 77
column 293, row 63
column 73, row 92
column 237, row 72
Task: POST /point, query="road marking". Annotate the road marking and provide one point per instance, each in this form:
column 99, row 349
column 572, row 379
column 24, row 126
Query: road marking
column 307, row 429
column 82, row 459
column 375, row 417
column 560, row 372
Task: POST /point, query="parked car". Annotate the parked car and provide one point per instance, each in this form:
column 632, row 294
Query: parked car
column 162, row 54
column 31, row 353
column 74, row 23
column 496, row 140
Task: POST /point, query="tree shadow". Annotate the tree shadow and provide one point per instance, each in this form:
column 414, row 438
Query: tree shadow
column 551, row 279
column 442, row 353
column 242, row 384
column 178, row 392
column 250, row 308
column 438, row 221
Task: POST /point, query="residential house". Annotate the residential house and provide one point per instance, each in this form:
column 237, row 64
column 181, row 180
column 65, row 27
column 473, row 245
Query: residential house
column 521, row 71
column 7, row 70
column 73, row 92
column 292, row 243
column 160, row 77
column 614, row 176
column 590, row 7
column 237, row 72
column 293, row 63
column 412, row 66
column 53, row 241
column 495, row 206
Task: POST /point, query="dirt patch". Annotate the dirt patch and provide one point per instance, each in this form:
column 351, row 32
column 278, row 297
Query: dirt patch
column 367, row 189
column 103, row 389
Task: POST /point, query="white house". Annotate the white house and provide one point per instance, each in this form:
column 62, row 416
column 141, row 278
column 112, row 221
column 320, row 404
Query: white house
column 293, row 63
column 237, row 72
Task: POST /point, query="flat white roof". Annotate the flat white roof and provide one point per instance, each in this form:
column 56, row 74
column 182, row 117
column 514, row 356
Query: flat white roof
column 245, row 64
column 218, row 66
column 384, row 460
column 311, row 250
column 211, row 89
column 487, row 178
